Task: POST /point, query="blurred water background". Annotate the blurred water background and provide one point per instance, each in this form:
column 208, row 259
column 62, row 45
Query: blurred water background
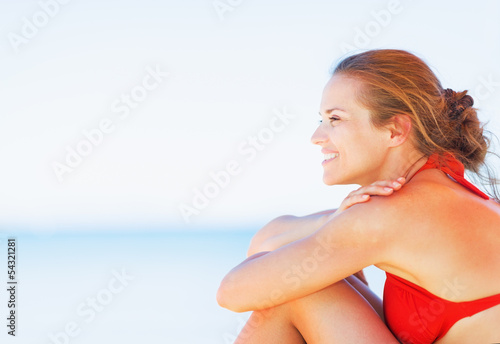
column 131, row 287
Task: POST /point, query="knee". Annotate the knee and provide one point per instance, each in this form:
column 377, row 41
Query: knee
column 282, row 311
column 273, row 228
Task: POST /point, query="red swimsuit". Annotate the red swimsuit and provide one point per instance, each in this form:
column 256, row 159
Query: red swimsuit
column 414, row 315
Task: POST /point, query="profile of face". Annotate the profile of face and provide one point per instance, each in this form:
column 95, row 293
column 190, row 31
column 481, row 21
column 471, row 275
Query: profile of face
column 354, row 150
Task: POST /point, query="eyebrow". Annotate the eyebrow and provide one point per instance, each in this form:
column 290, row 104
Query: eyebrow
column 327, row 112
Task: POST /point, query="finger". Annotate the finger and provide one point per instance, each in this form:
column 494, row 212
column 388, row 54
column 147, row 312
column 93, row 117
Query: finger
column 381, row 188
column 350, row 201
column 395, row 184
column 374, row 190
column 381, row 183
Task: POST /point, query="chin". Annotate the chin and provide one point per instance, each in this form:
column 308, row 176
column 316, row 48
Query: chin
column 331, row 181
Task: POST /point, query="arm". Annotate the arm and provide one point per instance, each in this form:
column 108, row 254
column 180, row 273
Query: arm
column 357, row 238
column 286, row 229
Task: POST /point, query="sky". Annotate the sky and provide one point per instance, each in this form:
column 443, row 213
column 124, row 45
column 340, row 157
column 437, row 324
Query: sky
column 198, row 114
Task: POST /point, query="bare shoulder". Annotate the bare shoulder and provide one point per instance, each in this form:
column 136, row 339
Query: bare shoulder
column 432, row 196
column 404, row 216
column 381, row 220
column 431, row 206
column 402, row 207
column 443, row 199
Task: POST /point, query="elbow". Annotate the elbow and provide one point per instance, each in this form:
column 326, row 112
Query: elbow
column 222, row 298
column 227, row 299
column 236, row 292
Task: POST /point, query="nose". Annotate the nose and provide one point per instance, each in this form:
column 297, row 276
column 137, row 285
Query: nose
column 318, row 136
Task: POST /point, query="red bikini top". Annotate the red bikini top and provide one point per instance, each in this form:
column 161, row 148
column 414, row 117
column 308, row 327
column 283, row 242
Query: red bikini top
column 413, row 314
column 454, row 168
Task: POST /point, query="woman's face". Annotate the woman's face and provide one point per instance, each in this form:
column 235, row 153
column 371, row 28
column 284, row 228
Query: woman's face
column 354, row 150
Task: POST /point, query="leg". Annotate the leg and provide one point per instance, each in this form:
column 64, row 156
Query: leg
column 335, row 314
column 368, row 294
column 270, row 326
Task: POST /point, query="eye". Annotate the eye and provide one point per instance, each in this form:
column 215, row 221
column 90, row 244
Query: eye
column 332, row 119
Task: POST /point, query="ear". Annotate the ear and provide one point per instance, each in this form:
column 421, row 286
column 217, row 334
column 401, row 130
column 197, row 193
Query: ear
column 399, row 129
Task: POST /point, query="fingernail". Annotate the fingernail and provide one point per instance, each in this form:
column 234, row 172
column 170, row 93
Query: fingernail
column 401, row 179
column 387, row 189
column 396, row 184
column 365, row 196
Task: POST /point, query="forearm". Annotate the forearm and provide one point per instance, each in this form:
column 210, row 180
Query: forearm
column 286, row 229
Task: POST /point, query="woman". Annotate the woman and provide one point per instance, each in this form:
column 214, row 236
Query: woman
column 389, row 126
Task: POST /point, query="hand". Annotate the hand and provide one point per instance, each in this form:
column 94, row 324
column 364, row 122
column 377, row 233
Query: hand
column 363, row 194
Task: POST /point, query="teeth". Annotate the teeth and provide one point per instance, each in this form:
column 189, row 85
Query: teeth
column 331, row 156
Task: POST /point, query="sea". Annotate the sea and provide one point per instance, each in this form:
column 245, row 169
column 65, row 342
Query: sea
column 114, row 287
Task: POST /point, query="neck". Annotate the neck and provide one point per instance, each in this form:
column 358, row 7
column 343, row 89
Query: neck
column 402, row 164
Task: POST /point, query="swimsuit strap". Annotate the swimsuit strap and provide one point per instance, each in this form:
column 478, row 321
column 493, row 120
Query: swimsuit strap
column 454, row 168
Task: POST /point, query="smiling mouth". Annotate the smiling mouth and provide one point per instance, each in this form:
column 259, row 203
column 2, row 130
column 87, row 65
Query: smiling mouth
column 329, row 157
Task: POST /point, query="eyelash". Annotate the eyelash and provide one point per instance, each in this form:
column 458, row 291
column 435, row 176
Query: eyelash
column 332, row 119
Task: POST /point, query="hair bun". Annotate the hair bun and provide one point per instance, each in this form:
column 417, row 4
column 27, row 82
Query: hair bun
column 457, row 102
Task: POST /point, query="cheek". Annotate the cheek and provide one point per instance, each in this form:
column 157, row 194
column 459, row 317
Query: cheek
column 368, row 137
column 351, row 139
column 361, row 147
